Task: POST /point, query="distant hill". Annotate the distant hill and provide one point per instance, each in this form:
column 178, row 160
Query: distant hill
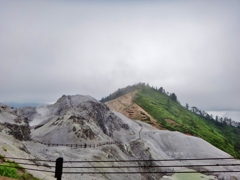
column 163, row 110
column 18, row 105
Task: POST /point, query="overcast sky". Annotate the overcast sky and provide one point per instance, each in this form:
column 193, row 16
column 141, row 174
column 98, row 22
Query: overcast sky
column 50, row 48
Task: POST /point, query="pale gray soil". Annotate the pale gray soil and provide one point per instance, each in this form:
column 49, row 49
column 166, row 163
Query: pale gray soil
column 81, row 119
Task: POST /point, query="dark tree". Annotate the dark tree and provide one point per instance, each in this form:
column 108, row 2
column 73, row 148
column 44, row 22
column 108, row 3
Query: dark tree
column 237, row 146
column 194, row 109
column 221, row 119
column 230, row 122
column 173, row 97
column 204, row 114
column 187, row 106
column 207, row 116
column 160, row 89
column 168, row 103
column 211, row 116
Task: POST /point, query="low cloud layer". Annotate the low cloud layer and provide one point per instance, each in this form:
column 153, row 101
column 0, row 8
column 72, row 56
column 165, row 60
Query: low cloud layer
column 51, row 48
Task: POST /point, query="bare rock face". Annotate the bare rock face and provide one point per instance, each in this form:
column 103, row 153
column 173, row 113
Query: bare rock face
column 20, row 132
column 10, row 115
column 77, row 118
column 85, row 132
column 104, row 118
column 14, row 124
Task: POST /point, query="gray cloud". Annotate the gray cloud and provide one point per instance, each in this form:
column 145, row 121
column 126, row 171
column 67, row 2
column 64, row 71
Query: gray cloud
column 75, row 47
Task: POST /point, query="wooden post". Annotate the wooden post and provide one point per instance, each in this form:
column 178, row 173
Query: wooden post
column 58, row 168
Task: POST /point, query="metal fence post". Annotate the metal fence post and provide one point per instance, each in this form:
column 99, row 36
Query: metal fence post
column 58, row 168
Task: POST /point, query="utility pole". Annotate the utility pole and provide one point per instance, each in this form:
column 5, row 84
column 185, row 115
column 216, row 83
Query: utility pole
column 58, row 168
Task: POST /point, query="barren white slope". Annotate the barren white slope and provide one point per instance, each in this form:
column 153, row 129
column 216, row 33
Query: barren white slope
column 82, row 119
column 8, row 115
column 164, row 144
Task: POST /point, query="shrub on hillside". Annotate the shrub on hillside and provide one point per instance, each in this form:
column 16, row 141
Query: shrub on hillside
column 7, row 169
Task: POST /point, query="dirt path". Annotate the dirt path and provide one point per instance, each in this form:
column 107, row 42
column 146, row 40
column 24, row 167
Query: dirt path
column 125, row 105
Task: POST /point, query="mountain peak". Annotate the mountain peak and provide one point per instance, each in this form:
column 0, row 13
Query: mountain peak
column 156, row 106
column 66, row 104
column 74, row 100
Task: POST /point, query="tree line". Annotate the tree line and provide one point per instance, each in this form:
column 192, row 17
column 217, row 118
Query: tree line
column 218, row 120
column 131, row 88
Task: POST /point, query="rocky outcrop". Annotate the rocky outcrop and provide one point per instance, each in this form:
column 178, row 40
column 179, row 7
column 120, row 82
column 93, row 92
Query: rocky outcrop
column 20, row 132
column 105, row 119
column 79, row 118
column 14, row 124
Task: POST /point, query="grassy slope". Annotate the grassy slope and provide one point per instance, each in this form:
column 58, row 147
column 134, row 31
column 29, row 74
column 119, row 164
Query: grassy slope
column 13, row 170
column 161, row 107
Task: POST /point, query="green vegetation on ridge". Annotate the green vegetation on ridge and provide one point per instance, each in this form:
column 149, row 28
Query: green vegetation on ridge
column 162, row 107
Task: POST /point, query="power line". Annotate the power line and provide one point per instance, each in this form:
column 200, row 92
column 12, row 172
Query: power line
column 148, row 172
column 131, row 172
column 152, row 160
column 138, row 166
column 146, row 168
column 155, row 166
